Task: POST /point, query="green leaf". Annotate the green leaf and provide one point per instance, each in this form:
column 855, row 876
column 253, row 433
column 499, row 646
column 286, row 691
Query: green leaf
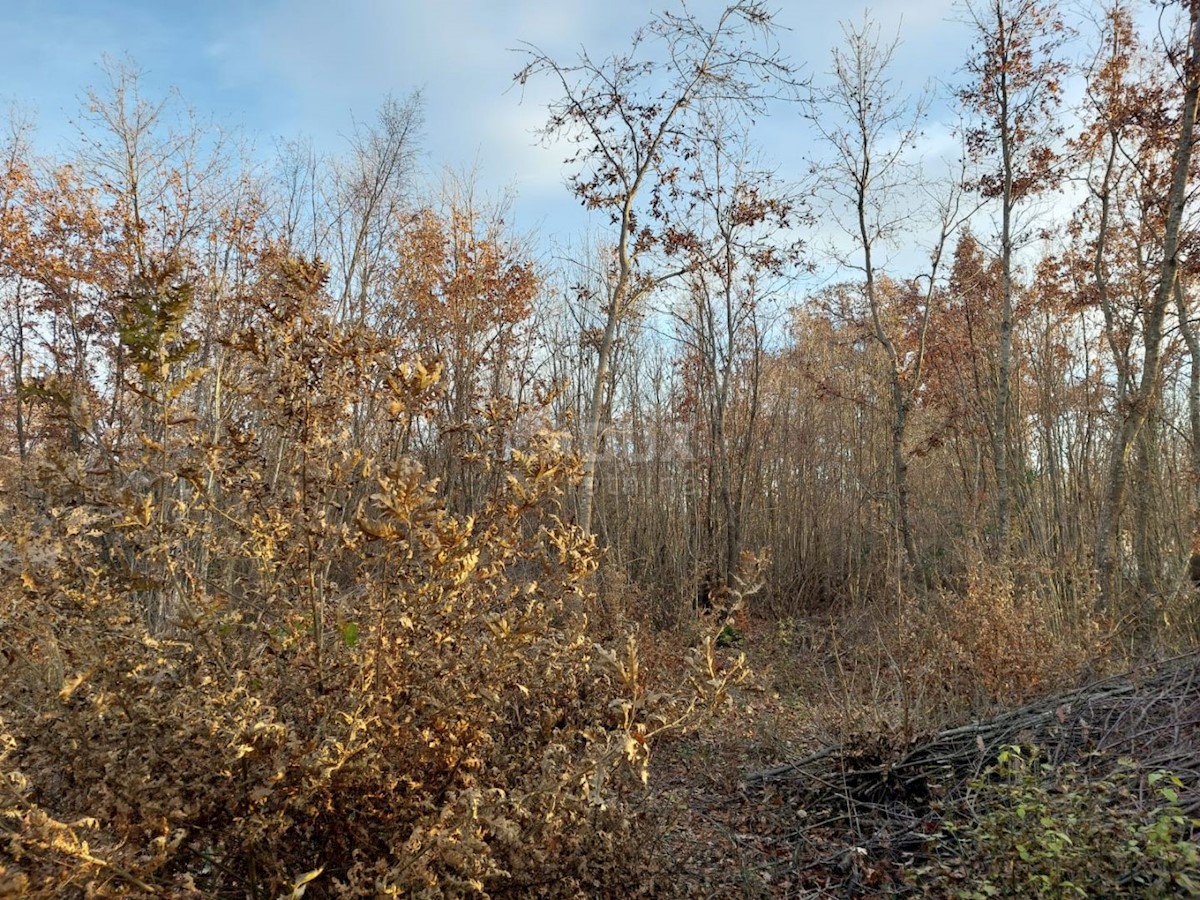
column 1187, row 884
column 350, row 633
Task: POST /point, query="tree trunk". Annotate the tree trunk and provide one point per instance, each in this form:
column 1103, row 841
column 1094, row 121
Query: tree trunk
column 1138, row 411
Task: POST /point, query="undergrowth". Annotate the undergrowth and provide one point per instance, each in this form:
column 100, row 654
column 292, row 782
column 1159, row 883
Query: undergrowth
column 1029, row 829
column 269, row 660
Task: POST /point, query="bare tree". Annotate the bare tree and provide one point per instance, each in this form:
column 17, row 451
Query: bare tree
column 369, row 191
column 627, row 118
column 1015, row 91
column 872, row 129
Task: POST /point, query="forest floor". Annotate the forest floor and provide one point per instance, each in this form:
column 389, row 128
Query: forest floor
column 877, row 789
column 730, row 838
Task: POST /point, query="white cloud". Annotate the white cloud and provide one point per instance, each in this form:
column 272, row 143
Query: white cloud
column 308, row 67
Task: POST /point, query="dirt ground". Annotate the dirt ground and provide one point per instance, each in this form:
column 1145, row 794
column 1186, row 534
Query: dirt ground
column 732, row 839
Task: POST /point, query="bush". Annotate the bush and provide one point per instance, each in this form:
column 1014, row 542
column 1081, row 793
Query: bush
column 1028, row 829
column 992, row 644
column 269, row 662
column 447, row 727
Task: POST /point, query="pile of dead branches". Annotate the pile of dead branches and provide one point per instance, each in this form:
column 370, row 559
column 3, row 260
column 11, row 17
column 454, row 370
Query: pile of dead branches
column 876, row 797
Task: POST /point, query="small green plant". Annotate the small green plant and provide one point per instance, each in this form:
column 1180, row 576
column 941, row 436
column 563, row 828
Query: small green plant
column 1030, row 829
column 786, row 631
column 730, row 636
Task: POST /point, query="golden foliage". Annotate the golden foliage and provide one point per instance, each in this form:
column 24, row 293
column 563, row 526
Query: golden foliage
column 266, row 661
column 992, row 643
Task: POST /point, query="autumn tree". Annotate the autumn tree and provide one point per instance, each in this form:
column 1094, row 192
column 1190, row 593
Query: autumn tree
column 739, row 251
column 627, row 118
column 1141, row 140
column 71, row 267
column 16, row 182
column 871, row 130
column 162, row 177
column 1015, row 91
column 464, row 291
column 960, row 366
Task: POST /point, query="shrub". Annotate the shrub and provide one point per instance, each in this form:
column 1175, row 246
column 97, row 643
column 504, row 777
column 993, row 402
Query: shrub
column 268, row 662
column 1028, row 829
column 990, row 644
column 447, row 727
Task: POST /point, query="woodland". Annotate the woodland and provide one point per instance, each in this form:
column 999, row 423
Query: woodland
column 354, row 545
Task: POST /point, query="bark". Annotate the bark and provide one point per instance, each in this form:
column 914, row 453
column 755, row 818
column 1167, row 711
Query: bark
column 618, row 301
column 1188, row 329
column 1004, row 349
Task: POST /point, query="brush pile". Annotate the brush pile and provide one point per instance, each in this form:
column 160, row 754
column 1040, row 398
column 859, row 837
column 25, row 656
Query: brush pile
column 879, row 806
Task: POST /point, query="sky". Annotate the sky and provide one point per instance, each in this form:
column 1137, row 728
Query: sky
column 309, row 68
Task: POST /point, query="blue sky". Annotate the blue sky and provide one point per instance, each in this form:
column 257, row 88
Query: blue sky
column 290, row 68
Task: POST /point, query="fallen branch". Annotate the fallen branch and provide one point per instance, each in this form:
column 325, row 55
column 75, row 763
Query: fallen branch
column 875, row 800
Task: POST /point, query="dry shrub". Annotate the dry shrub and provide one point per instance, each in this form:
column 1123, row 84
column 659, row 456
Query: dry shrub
column 993, row 643
column 1175, row 619
column 924, row 660
column 619, row 600
column 450, row 728
column 266, row 663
